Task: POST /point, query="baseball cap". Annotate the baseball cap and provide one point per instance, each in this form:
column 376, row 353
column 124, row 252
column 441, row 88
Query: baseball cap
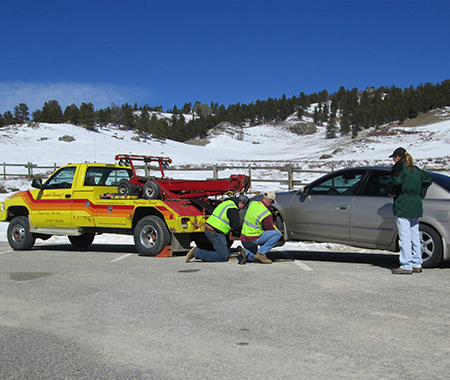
column 270, row 195
column 398, row 152
column 243, row 198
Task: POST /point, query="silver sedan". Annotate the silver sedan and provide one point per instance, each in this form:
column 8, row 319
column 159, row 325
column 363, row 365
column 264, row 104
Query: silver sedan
column 352, row 207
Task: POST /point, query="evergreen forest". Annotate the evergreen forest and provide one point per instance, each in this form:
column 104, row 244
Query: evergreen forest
column 344, row 112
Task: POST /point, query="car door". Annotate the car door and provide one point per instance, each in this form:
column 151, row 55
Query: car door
column 372, row 219
column 52, row 206
column 323, row 212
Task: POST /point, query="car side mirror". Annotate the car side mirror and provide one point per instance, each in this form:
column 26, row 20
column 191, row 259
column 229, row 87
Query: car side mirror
column 37, row 183
column 304, row 190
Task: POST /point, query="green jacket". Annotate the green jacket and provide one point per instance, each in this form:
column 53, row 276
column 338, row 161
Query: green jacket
column 408, row 186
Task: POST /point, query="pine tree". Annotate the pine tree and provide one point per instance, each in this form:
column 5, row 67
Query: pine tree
column 103, row 117
column 21, row 113
column 52, row 113
column 72, row 114
column 331, row 128
column 87, row 116
column 8, row 118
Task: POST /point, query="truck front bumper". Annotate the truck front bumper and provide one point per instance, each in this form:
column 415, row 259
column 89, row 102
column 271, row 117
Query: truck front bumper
column 3, row 212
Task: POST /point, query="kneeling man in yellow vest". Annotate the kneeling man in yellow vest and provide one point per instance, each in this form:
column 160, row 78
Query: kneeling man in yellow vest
column 259, row 234
column 224, row 218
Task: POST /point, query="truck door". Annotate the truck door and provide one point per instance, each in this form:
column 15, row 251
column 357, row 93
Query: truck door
column 52, row 207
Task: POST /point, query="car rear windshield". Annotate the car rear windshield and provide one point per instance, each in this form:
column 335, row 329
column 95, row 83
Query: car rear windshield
column 442, row 180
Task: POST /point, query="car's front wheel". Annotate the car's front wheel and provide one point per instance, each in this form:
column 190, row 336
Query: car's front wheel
column 20, row 237
column 431, row 244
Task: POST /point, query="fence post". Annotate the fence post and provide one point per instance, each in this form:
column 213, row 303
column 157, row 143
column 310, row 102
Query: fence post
column 250, row 175
column 4, row 171
column 290, row 177
column 29, row 170
column 214, row 171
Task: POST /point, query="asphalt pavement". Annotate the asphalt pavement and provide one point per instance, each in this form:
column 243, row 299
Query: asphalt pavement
column 107, row 313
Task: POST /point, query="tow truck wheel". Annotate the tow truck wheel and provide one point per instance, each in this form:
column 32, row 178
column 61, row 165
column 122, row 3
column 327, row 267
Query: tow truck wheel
column 20, row 237
column 151, row 190
column 125, row 187
column 82, row 241
column 151, row 236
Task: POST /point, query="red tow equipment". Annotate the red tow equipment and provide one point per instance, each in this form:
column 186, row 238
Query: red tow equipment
column 166, row 188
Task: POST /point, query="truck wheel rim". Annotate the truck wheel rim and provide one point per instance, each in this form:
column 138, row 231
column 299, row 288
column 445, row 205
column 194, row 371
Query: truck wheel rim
column 149, row 236
column 18, row 233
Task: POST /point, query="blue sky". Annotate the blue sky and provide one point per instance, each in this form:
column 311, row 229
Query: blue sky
column 173, row 52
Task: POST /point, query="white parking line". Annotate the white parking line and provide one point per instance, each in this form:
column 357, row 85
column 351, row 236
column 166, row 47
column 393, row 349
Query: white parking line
column 303, row 266
column 2, row 253
column 123, row 257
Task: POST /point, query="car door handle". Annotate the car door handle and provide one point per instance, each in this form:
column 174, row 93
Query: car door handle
column 67, row 196
column 343, row 207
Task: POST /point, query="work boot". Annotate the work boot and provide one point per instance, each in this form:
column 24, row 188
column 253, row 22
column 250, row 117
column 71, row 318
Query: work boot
column 191, row 254
column 241, row 256
column 401, row 271
column 262, row 258
column 417, row 270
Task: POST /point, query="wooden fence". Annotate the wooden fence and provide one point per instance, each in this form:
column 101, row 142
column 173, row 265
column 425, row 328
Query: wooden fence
column 31, row 170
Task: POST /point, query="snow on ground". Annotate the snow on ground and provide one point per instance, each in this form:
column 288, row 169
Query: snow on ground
column 264, row 144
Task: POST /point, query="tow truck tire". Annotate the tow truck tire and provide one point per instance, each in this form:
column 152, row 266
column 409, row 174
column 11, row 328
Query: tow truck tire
column 20, row 237
column 125, row 187
column 151, row 190
column 151, row 235
column 82, row 241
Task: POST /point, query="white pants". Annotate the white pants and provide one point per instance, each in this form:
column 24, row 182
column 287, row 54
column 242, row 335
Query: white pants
column 409, row 241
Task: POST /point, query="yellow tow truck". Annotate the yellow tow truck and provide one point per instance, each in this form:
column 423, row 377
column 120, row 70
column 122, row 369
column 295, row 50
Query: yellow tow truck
column 83, row 200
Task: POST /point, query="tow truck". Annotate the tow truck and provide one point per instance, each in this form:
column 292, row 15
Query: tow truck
column 86, row 199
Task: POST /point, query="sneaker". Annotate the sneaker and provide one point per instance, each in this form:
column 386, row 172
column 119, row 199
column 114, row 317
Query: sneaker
column 241, row 256
column 401, row 271
column 417, row 270
column 191, row 254
column 263, row 258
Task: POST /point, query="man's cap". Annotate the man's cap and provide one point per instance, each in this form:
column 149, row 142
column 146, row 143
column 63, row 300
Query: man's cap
column 270, row 195
column 398, row 152
column 243, row 198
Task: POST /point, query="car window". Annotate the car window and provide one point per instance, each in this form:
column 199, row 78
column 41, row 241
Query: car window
column 377, row 185
column 62, row 179
column 106, row 176
column 346, row 183
column 442, row 180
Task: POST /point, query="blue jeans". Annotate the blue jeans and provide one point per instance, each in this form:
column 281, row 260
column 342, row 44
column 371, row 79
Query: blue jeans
column 220, row 245
column 266, row 241
column 409, row 241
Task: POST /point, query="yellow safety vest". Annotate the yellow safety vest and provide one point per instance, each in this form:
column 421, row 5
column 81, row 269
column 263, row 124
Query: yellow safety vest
column 256, row 213
column 219, row 218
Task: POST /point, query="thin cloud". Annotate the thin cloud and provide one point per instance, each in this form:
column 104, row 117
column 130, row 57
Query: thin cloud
column 34, row 95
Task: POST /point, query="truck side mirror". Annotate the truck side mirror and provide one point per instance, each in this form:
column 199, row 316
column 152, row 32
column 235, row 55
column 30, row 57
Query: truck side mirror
column 37, row 183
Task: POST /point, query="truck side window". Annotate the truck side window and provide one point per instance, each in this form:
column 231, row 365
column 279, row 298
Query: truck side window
column 62, row 179
column 105, row 176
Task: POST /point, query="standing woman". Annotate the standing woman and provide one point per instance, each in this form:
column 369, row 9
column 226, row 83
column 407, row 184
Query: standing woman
column 406, row 186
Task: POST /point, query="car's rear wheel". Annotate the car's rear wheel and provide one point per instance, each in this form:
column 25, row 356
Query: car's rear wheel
column 431, row 244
